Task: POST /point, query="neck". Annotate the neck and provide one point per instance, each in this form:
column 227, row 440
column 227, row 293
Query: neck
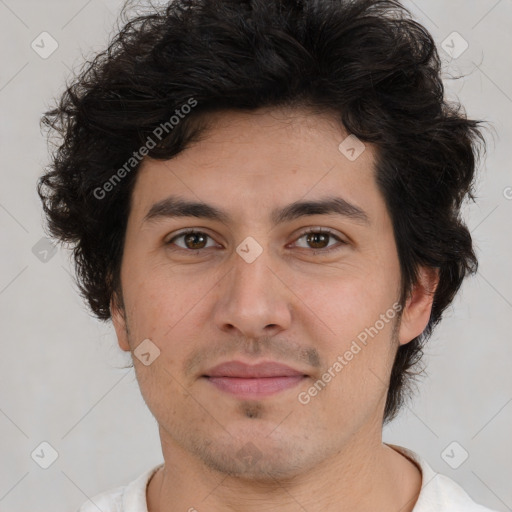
column 361, row 477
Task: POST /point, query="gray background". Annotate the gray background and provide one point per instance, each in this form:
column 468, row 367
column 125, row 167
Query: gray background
column 61, row 376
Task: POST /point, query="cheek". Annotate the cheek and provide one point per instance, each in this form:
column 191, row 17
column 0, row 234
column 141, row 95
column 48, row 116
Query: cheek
column 349, row 301
column 354, row 382
column 357, row 316
column 158, row 311
column 166, row 309
column 160, row 297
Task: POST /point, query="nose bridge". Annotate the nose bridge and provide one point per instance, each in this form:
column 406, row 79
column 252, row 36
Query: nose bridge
column 252, row 296
column 252, row 277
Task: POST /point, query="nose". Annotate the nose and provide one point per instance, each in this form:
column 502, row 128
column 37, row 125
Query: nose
column 253, row 299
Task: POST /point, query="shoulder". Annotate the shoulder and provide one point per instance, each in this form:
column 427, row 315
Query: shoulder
column 107, row 501
column 439, row 493
column 446, row 495
column 125, row 498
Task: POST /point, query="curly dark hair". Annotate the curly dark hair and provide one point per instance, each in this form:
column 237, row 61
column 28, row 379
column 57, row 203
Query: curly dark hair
column 366, row 62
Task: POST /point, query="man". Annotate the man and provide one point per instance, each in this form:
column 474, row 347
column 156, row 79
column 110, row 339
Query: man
column 264, row 198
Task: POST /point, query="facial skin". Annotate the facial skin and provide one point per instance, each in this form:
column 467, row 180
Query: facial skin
column 295, row 303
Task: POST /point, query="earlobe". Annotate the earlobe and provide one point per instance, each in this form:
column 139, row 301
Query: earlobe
column 418, row 307
column 119, row 322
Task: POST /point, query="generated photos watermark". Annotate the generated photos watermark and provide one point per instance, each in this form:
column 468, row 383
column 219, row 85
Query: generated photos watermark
column 304, row 397
column 159, row 133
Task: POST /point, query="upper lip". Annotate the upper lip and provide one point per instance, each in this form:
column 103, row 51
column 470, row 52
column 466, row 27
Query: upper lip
column 260, row 370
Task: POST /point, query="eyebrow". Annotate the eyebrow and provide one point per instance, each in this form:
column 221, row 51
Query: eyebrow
column 175, row 206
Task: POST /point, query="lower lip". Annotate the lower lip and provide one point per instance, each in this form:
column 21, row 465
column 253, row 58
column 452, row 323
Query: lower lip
column 255, row 388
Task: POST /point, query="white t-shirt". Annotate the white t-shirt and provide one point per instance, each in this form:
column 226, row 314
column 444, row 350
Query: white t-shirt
column 438, row 492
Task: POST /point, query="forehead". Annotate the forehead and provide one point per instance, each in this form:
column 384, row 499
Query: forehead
column 277, row 162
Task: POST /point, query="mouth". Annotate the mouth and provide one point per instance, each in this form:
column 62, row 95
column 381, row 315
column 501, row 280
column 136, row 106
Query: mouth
column 253, row 381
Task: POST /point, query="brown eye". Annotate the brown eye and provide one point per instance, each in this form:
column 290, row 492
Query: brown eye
column 318, row 239
column 192, row 240
column 196, row 240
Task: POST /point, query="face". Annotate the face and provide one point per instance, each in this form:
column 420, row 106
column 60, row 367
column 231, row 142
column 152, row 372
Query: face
column 253, row 286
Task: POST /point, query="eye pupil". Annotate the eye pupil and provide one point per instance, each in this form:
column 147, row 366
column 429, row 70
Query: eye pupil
column 192, row 236
column 313, row 236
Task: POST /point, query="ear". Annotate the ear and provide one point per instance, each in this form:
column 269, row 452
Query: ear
column 117, row 313
column 418, row 306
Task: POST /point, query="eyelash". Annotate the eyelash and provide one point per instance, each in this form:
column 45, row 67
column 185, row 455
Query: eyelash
column 304, row 233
